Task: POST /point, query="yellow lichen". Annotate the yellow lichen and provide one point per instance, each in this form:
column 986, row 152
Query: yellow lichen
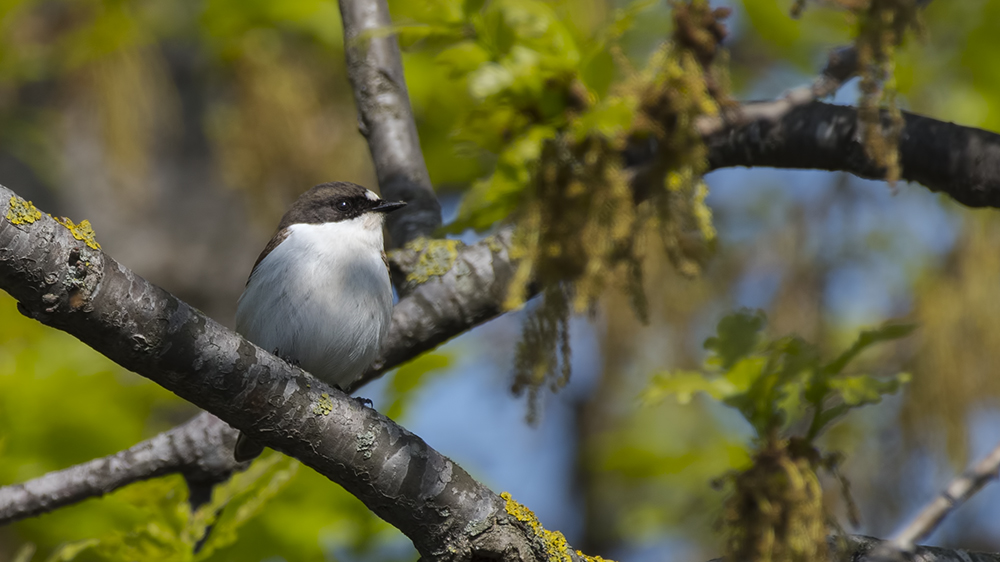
column 882, row 27
column 493, row 243
column 776, row 512
column 82, row 231
column 436, row 258
column 323, row 406
column 22, row 212
column 556, row 547
column 592, row 558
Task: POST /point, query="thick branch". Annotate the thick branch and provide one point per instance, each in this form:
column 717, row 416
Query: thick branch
column 453, row 287
column 817, row 135
column 963, row 162
column 62, row 282
column 386, row 119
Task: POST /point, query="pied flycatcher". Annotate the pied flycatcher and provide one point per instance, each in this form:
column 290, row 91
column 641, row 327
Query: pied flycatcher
column 319, row 295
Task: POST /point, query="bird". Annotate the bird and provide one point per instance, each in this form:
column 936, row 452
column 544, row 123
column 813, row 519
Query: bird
column 319, row 294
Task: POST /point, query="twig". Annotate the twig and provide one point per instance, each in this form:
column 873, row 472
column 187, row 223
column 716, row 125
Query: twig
column 957, row 493
column 841, row 65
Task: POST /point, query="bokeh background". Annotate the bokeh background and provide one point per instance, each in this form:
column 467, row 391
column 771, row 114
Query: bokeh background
column 182, row 130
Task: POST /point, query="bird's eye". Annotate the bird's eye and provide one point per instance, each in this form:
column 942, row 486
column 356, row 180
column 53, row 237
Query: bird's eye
column 343, row 206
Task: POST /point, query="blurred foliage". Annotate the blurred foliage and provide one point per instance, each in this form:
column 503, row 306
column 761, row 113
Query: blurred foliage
column 775, row 510
column 882, row 27
column 171, row 531
column 954, row 361
column 410, row 377
column 559, row 145
column 506, row 91
column 782, row 383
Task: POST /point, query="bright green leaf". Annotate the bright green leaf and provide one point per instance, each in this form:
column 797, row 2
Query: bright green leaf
column 462, row 58
column 867, row 338
column 738, row 336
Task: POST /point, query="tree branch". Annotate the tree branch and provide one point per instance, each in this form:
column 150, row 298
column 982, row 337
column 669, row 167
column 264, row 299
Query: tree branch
column 61, row 278
column 440, row 306
column 386, row 120
column 859, row 548
column 841, row 65
column 958, row 492
column 456, row 287
column 962, row 162
column 201, row 449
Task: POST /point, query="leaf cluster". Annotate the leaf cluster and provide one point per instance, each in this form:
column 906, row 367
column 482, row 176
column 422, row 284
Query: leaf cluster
column 560, row 171
column 782, row 384
column 775, row 511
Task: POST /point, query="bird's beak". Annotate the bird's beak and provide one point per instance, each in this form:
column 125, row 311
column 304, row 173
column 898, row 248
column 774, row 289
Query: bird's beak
column 388, row 206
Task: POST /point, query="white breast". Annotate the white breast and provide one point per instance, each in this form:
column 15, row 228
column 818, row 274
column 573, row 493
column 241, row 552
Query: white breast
column 322, row 298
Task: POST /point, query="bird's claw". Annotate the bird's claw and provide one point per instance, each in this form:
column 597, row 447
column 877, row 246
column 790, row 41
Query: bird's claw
column 294, row 362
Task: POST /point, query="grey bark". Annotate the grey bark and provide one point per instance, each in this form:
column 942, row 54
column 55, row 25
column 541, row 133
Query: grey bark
column 962, row 162
column 386, row 119
column 62, row 282
column 200, row 449
column 475, row 279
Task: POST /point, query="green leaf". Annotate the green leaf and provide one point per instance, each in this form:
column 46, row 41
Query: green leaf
column 462, row 58
column 170, row 531
column 534, row 25
column 489, row 79
column 867, row 338
column 683, row 385
column 470, row 7
column 72, row 550
column 494, row 199
column 861, row 390
column 775, row 384
column 610, row 118
column 745, row 373
column 856, row 391
column 738, row 336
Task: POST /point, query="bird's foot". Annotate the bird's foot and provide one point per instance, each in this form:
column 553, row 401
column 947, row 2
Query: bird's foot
column 365, row 402
column 293, row 361
column 246, row 449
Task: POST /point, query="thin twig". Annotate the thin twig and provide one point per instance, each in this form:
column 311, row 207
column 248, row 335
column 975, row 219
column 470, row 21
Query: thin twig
column 957, row 493
column 841, row 65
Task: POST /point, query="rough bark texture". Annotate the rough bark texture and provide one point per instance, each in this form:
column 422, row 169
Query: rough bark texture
column 450, row 288
column 65, row 283
column 386, row 120
column 454, row 287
